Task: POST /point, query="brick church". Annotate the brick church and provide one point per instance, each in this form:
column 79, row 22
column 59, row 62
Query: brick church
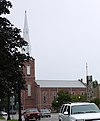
column 41, row 93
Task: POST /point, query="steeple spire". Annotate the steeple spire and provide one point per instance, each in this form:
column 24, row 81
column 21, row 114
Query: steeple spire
column 26, row 49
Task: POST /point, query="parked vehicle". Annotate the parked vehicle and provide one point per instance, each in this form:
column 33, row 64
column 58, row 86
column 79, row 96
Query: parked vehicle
column 45, row 113
column 23, row 112
column 12, row 112
column 32, row 114
column 3, row 113
column 79, row 112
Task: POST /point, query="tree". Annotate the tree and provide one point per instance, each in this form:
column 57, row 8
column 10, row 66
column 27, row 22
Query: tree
column 96, row 101
column 10, row 55
column 11, row 58
column 65, row 97
column 95, row 84
column 62, row 97
column 79, row 98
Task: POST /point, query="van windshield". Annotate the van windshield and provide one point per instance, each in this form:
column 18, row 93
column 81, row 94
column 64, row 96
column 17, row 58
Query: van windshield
column 88, row 108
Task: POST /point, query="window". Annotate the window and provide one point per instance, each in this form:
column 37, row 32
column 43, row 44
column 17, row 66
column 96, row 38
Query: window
column 29, row 90
column 54, row 94
column 61, row 109
column 65, row 108
column 89, row 108
column 82, row 93
column 44, row 95
column 28, row 70
column 44, row 99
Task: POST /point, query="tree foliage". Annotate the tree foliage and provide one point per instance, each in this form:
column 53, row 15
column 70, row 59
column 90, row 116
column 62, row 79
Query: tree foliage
column 11, row 58
column 96, row 101
column 62, row 97
column 79, row 98
column 95, row 84
column 65, row 97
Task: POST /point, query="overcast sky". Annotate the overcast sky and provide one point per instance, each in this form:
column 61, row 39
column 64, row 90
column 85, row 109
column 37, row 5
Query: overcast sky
column 64, row 36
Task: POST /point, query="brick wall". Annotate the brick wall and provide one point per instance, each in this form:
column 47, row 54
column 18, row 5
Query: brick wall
column 28, row 96
column 41, row 97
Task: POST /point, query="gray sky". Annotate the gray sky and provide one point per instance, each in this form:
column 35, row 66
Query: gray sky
column 64, row 35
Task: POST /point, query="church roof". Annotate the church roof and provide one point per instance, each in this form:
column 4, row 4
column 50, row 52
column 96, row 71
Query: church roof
column 60, row 84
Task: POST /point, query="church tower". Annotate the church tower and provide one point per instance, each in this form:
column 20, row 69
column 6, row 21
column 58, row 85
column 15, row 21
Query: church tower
column 26, row 49
column 28, row 96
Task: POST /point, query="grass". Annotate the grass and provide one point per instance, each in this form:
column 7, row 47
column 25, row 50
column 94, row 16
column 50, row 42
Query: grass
column 1, row 117
column 13, row 120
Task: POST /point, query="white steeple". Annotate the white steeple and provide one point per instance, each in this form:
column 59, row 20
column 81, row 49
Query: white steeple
column 26, row 49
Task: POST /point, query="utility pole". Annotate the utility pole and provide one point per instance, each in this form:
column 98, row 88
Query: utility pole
column 19, row 101
column 86, row 72
column 8, row 103
column 19, row 97
column 87, row 80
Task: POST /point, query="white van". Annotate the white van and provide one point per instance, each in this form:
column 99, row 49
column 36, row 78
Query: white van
column 80, row 111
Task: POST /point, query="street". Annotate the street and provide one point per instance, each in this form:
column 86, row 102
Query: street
column 54, row 117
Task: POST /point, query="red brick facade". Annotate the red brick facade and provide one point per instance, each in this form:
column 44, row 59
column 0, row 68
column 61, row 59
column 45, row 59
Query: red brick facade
column 41, row 97
column 29, row 100
column 47, row 95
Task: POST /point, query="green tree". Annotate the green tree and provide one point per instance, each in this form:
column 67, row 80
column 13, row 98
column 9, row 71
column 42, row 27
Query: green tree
column 78, row 98
column 95, row 84
column 96, row 101
column 62, row 97
column 11, row 58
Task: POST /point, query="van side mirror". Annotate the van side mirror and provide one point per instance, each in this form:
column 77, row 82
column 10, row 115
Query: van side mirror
column 65, row 113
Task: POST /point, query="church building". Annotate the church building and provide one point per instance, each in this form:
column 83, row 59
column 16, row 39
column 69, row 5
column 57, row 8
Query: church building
column 41, row 93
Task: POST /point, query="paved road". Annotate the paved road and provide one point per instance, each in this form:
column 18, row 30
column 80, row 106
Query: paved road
column 54, row 117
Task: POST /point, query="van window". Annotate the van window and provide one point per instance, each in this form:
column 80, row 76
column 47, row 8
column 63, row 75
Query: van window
column 61, row 109
column 65, row 108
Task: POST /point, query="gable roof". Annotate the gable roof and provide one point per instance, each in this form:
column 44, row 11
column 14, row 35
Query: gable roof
column 60, row 84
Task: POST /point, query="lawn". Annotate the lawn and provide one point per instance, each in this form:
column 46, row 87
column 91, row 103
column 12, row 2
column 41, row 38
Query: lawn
column 1, row 117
